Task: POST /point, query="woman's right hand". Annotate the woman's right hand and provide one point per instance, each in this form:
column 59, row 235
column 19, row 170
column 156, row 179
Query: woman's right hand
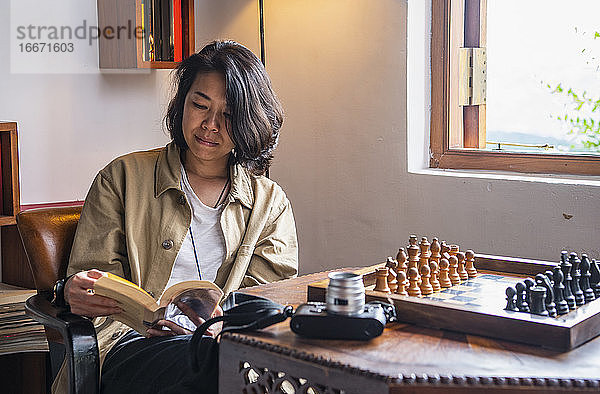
column 81, row 298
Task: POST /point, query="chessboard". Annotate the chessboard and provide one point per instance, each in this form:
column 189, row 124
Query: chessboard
column 479, row 304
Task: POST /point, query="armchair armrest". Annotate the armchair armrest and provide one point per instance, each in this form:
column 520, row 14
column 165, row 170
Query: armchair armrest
column 80, row 341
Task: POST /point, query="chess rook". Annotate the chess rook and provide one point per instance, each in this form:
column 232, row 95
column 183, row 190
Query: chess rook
column 538, row 301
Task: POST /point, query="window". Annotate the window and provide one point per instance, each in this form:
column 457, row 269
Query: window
column 458, row 114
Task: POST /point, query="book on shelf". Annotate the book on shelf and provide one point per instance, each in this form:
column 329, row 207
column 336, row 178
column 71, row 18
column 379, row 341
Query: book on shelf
column 18, row 332
column 141, row 311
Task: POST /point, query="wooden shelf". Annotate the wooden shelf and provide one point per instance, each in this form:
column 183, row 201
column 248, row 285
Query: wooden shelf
column 9, row 173
column 6, row 220
column 126, row 17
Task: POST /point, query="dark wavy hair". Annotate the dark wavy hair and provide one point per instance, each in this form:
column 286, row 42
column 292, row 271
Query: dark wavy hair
column 256, row 113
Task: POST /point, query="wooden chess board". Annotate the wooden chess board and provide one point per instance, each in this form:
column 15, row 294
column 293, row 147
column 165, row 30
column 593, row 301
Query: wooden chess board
column 476, row 306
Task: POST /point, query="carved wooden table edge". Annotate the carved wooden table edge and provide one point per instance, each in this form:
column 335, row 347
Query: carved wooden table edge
column 412, row 379
column 304, row 356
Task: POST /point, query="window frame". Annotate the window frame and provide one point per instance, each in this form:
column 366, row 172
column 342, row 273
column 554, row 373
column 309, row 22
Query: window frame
column 441, row 132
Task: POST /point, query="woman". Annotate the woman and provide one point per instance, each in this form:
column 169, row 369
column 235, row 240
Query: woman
column 198, row 208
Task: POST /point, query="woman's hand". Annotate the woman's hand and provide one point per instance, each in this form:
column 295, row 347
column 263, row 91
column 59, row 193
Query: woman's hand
column 80, row 296
column 175, row 329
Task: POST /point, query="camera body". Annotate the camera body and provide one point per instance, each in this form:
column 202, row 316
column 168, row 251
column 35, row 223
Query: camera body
column 313, row 320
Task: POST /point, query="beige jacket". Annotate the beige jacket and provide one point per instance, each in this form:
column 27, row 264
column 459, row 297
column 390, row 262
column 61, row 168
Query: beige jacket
column 136, row 216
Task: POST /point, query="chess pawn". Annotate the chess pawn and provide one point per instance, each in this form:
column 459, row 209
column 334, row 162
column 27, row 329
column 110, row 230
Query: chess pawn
column 435, row 282
column 391, row 279
column 444, row 274
column 529, row 283
column 559, row 288
column 401, row 257
column 462, row 272
column 510, row 299
column 543, row 281
column 454, row 277
column 576, row 275
column 470, row 263
column 522, row 304
column 565, row 266
column 595, row 278
column 381, row 280
column 584, row 282
column 445, row 250
column 426, row 287
column 435, row 249
column 402, row 284
column 413, row 287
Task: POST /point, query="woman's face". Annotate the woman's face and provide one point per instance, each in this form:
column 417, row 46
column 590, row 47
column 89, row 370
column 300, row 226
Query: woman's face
column 206, row 119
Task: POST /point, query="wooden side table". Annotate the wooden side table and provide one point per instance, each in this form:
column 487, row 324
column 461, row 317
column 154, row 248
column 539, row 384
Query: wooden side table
column 404, row 359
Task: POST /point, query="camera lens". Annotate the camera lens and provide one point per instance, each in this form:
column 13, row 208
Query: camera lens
column 345, row 293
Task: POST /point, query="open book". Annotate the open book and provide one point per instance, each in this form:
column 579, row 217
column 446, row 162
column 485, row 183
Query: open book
column 141, row 311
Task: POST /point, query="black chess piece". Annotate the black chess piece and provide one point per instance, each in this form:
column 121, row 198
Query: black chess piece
column 565, row 266
column 576, row 275
column 559, row 288
column 529, row 283
column 543, row 281
column 522, row 304
column 584, row 282
column 550, row 276
column 510, row 299
column 538, row 301
column 595, row 278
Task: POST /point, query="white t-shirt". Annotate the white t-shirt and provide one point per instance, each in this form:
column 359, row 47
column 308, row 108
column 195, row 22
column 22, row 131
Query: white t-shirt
column 208, row 239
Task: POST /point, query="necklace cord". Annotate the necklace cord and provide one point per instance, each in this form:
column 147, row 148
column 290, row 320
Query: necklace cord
column 191, row 232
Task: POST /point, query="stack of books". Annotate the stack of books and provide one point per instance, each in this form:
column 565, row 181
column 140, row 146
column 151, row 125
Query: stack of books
column 18, row 332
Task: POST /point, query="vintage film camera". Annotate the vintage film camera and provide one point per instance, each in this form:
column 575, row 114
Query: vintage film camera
column 345, row 314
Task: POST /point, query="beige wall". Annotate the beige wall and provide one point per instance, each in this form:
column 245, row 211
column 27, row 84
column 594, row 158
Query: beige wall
column 340, row 69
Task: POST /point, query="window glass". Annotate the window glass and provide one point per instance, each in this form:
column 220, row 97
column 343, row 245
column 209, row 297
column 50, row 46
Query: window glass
column 543, row 66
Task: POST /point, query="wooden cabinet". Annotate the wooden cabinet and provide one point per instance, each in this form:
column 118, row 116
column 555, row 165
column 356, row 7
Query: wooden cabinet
column 145, row 33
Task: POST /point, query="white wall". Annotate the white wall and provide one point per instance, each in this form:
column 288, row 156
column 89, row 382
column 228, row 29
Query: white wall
column 340, row 68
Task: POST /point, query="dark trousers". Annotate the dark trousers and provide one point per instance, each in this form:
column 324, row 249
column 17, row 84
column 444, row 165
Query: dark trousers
column 160, row 365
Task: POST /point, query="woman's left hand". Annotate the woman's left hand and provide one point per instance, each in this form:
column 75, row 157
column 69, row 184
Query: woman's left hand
column 175, row 329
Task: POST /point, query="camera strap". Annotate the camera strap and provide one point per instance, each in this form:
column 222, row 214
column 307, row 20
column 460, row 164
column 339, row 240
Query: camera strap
column 242, row 312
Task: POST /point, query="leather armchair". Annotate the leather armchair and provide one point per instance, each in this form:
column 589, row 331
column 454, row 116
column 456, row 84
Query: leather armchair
column 47, row 235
